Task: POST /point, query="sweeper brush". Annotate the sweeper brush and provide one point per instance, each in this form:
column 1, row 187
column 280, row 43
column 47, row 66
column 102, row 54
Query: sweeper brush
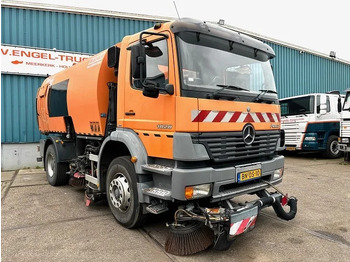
column 189, row 238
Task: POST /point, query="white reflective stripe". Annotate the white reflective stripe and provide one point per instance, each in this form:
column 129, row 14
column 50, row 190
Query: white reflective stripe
column 255, row 117
column 227, row 117
column 275, row 117
column 210, row 117
column 194, row 114
column 267, row 119
column 251, row 220
column 241, row 117
column 234, row 228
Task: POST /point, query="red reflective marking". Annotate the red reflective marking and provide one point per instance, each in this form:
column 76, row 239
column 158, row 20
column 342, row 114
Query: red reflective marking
column 253, row 222
column 260, row 116
column 248, row 118
column 269, row 115
column 235, row 116
column 220, row 116
column 241, row 228
column 201, row 116
column 284, row 200
column 278, row 117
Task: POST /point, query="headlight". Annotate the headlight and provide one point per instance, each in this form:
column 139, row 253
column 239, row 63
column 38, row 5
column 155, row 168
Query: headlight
column 197, row 191
column 278, row 173
column 310, row 138
column 345, row 140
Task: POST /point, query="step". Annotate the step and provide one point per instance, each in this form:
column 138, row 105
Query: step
column 157, row 208
column 159, row 169
column 158, row 193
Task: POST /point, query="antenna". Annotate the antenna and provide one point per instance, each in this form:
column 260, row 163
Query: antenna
column 176, row 10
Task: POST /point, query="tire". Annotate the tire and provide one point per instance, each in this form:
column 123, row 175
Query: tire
column 332, row 148
column 55, row 172
column 122, row 196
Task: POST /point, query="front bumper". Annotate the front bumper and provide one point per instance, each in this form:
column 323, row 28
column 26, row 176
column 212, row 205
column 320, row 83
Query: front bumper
column 223, row 180
column 344, row 147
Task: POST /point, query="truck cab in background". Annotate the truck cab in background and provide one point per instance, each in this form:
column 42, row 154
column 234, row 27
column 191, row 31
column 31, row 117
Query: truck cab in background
column 344, row 134
column 311, row 122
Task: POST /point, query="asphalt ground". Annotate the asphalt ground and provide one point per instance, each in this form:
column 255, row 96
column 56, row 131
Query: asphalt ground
column 44, row 223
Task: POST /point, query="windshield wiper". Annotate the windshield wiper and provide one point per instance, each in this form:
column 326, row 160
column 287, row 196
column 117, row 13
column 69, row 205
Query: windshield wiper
column 223, row 87
column 262, row 93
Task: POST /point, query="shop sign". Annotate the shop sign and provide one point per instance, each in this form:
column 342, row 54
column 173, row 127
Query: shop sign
column 31, row 61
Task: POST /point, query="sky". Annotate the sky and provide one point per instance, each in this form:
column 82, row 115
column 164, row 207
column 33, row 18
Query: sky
column 322, row 26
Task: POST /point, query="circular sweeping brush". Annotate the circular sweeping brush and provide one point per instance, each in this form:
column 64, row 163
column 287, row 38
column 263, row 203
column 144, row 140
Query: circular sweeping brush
column 189, row 238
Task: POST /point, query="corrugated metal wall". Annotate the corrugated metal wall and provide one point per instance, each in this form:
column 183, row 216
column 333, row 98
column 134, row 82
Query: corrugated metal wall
column 63, row 31
column 18, row 115
column 298, row 73
column 295, row 73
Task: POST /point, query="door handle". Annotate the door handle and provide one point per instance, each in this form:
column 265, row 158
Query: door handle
column 130, row 113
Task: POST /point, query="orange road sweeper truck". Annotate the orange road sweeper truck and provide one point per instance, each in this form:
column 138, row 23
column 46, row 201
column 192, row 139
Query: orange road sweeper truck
column 183, row 116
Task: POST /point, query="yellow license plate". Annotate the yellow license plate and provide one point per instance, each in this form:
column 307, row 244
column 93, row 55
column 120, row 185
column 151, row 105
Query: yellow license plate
column 248, row 175
column 290, row 148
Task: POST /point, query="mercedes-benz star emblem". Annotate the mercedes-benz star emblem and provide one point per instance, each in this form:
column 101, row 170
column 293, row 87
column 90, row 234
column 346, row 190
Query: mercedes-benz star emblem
column 248, row 134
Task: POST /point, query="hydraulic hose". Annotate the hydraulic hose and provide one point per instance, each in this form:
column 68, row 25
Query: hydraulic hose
column 264, row 201
column 281, row 213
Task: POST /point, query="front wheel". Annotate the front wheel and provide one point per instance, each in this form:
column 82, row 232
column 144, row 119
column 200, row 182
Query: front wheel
column 121, row 188
column 332, row 148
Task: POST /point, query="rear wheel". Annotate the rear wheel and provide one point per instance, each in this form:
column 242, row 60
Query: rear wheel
column 121, row 188
column 55, row 172
column 332, row 148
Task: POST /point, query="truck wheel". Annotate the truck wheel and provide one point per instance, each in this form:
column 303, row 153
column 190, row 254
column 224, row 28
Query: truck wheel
column 122, row 192
column 332, row 148
column 55, row 172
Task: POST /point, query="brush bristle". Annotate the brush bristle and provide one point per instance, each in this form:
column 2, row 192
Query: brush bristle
column 189, row 241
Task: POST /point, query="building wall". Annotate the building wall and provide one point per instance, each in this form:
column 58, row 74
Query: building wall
column 65, row 31
column 298, row 72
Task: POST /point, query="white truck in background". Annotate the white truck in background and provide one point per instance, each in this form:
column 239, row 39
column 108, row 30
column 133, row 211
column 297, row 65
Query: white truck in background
column 311, row 122
column 344, row 135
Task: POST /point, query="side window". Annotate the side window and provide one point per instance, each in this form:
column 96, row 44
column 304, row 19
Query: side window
column 328, row 103
column 157, row 64
column 58, row 99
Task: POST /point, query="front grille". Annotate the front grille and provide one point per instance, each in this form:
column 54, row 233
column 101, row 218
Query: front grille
column 345, row 128
column 229, row 146
column 291, row 133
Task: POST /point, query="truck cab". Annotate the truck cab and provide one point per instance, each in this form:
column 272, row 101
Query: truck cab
column 311, row 123
column 344, row 137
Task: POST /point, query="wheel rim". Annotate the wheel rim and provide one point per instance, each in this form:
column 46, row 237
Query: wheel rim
column 334, row 147
column 119, row 192
column 51, row 163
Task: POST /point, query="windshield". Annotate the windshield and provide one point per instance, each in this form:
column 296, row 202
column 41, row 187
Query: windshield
column 297, row 106
column 347, row 102
column 209, row 64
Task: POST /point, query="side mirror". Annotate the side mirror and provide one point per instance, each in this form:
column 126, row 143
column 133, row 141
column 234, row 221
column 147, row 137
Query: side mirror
column 138, row 62
column 339, row 104
column 150, row 90
column 153, row 51
column 113, row 56
column 169, row 89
